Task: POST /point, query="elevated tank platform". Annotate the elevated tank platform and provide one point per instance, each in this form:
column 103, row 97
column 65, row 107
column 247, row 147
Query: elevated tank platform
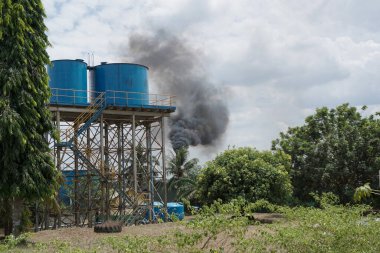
column 113, row 114
column 119, row 103
column 112, row 156
column 111, row 145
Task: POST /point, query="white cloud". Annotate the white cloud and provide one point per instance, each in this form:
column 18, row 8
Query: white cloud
column 278, row 59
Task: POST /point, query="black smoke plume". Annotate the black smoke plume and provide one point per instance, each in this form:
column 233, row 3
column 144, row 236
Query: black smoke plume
column 202, row 115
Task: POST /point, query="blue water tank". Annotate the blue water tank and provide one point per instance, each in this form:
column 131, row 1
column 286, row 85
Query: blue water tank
column 158, row 212
column 125, row 84
column 177, row 209
column 68, row 82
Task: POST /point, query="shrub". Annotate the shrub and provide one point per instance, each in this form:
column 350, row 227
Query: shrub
column 262, row 206
column 247, row 173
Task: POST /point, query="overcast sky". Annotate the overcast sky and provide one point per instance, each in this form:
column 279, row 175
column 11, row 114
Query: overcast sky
column 275, row 61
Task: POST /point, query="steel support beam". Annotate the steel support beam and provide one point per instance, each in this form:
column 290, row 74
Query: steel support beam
column 102, row 184
column 164, row 166
column 134, row 161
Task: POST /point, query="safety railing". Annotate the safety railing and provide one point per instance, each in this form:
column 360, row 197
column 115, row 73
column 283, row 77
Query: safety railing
column 123, row 98
column 70, row 96
column 113, row 98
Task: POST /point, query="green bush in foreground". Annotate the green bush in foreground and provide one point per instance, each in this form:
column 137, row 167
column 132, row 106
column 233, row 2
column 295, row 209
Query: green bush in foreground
column 333, row 229
column 262, row 206
column 222, row 228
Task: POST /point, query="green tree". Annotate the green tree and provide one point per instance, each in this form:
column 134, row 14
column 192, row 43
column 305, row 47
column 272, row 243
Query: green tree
column 186, row 186
column 26, row 168
column 336, row 150
column 183, row 172
column 179, row 164
column 247, row 173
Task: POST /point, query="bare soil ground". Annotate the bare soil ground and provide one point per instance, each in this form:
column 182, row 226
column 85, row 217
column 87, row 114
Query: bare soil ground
column 84, row 237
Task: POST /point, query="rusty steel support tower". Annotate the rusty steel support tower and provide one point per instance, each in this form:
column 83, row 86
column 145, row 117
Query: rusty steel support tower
column 113, row 164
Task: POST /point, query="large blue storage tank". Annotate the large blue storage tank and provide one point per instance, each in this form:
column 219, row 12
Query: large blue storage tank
column 125, row 84
column 68, row 82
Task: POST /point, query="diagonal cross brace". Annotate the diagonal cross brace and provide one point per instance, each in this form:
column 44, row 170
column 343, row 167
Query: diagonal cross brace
column 138, row 212
column 93, row 168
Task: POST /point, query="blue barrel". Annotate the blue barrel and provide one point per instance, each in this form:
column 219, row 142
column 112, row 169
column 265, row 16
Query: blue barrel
column 125, row 84
column 177, row 209
column 68, row 82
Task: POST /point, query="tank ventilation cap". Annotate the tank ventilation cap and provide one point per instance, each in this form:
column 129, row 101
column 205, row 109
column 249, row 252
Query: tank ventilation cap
column 103, row 63
column 81, row 60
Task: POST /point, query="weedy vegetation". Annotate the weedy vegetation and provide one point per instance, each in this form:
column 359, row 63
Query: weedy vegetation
column 228, row 228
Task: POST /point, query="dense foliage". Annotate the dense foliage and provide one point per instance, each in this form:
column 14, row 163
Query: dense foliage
column 179, row 164
column 335, row 151
column 26, row 168
column 247, row 173
column 183, row 172
column 186, row 187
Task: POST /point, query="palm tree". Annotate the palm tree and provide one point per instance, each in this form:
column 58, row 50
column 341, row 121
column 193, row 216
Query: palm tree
column 183, row 172
column 179, row 165
column 364, row 191
column 186, row 186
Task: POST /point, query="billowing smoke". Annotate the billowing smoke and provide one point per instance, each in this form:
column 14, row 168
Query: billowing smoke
column 202, row 115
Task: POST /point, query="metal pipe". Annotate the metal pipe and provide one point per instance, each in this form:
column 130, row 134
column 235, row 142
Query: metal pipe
column 89, row 179
column 164, row 166
column 123, row 175
column 134, row 154
column 150, row 171
column 102, row 205
column 119, row 170
column 107, row 169
column 58, row 124
column 76, row 165
column 91, row 84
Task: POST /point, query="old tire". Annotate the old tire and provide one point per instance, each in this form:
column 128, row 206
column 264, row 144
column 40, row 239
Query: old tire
column 108, row 227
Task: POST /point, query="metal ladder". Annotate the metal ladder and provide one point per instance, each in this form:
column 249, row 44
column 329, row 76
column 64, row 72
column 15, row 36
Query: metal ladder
column 84, row 120
column 138, row 215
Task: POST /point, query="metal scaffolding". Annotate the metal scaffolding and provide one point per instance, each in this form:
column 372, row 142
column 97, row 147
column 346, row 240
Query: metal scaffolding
column 113, row 164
